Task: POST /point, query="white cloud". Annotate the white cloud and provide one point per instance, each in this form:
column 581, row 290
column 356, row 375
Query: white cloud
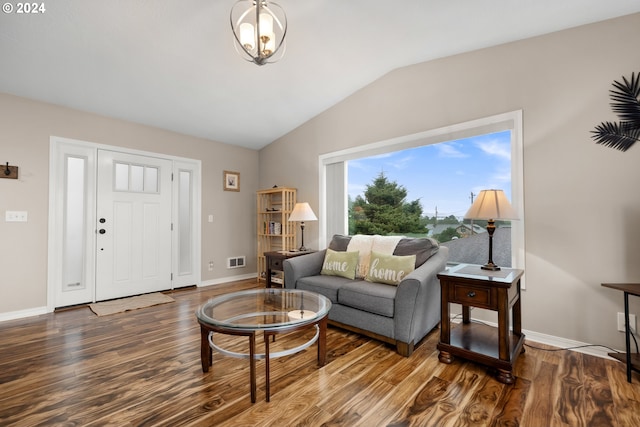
column 401, row 163
column 356, row 189
column 495, row 147
column 503, row 176
column 449, row 150
column 356, row 164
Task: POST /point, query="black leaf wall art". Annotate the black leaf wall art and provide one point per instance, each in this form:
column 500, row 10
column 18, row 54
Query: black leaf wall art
column 625, row 102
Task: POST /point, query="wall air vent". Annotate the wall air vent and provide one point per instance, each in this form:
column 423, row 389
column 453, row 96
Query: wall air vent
column 236, row 262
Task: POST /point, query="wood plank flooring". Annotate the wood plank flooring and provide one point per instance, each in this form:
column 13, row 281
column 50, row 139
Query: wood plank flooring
column 142, row 368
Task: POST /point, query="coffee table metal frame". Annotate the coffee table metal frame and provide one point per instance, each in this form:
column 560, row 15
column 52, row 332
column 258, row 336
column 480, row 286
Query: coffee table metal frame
column 269, row 331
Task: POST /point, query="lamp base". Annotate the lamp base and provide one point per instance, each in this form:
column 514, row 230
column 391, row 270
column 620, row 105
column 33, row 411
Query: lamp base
column 490, row 266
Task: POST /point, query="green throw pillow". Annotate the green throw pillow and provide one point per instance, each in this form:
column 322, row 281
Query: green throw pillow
column 390, row 269
column 341, row 264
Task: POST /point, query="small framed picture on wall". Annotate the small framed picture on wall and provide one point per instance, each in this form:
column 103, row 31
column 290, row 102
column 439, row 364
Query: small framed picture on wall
column 231, row 181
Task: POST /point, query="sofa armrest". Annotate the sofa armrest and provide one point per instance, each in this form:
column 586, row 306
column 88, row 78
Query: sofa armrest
column 417, row 305
column 302, row 266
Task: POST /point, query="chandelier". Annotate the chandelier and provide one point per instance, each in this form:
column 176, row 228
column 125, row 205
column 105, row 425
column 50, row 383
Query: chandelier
column 259, row 29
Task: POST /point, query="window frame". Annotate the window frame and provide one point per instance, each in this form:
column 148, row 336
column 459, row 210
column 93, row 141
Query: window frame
column 333, row 172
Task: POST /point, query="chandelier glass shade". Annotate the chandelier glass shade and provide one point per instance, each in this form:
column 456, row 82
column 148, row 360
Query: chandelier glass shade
column 259, row 29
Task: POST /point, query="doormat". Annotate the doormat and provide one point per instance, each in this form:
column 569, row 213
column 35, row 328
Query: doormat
column 132, row 303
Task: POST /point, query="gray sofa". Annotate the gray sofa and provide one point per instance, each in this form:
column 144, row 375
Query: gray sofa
column 400, row 315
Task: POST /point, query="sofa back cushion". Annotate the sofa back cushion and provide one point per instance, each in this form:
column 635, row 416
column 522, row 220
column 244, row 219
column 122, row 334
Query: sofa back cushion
column 365, row 244
column 362, row 244
column 341, row 264
column 339, row 242
column 423, row 247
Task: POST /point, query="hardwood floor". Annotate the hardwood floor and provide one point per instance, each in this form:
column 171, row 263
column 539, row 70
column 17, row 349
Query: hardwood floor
column 142, row 368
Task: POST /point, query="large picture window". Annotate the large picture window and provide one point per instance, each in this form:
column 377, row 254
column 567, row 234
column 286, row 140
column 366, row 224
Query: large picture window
column 442, row 170
column 426, row 191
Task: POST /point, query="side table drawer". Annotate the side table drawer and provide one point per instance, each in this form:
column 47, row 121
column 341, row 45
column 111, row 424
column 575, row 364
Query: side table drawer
column 275, row 263
column 472, row 296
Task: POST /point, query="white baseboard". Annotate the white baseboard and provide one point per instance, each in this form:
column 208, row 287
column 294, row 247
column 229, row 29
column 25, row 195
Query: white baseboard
column 592, row 349
column 228, row 279
column 36, row 311
column 20, row 314
column 559, row 342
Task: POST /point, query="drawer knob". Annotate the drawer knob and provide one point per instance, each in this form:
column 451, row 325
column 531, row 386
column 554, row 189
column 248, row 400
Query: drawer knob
column 471, row 294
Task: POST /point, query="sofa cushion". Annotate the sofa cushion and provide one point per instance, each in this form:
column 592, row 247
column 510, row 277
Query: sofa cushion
column 365, row 244
column 385, row 244
column 341, row 264
column 372, row 297
column 324, row 285
column 339, row 243
column 361, row 243
column 423, row 248
column 390, row 269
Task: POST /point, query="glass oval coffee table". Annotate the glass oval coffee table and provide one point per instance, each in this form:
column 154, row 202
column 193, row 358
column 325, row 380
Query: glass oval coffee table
column 269, row 311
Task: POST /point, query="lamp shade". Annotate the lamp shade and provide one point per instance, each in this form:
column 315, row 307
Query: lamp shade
column 491, row 204
column 302, row 212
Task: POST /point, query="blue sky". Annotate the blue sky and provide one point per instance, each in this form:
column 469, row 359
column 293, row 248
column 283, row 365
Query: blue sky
column 442, row 175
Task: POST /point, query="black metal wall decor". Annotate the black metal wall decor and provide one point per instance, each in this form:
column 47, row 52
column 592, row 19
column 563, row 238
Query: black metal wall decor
column 625, row 103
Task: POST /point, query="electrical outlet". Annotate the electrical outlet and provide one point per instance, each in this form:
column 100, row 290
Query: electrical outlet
column 210, row 265
column 16, row 216
column 632, row 322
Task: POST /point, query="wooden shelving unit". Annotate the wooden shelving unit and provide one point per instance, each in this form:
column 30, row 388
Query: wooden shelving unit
column 275, row 232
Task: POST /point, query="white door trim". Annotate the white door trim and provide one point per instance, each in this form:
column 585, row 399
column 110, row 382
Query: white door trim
column 59, row 147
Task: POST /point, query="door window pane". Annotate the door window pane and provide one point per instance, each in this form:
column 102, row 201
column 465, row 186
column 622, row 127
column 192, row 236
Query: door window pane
column 137, row 178
column 75, row 191
column 184, row 222
column 150, row 180
column 122, row 177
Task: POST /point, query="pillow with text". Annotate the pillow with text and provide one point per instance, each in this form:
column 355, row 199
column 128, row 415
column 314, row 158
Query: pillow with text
column 341, row 264
column 390, row 269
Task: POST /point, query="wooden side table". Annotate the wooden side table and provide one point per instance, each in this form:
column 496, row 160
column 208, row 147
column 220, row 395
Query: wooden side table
column 275, row 262
column 631, row 359
column 470, row 286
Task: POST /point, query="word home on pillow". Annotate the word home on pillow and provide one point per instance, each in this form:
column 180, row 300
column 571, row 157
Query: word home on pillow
column 390, row 269
column 341, row 264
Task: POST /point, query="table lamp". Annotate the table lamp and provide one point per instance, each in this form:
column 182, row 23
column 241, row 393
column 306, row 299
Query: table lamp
column 491, row 205
column 302, row 212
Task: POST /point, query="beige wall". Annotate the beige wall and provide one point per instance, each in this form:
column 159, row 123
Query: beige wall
column 25, row 129
column 581, row 200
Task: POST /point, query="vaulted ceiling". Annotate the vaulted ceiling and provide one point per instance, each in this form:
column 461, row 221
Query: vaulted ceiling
column 172, row 64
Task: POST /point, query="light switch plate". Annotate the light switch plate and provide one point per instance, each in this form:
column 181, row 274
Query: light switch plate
column 16, row 216
column 632, row 322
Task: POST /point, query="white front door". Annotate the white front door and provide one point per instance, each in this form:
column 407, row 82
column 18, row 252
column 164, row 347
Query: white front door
column 133, row 225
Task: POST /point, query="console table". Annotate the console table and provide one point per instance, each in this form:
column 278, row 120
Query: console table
column 470, row 286
column 275, row 260
column 631, row 359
